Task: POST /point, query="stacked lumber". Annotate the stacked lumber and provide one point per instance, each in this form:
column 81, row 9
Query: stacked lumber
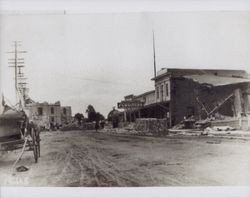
column 151, row 126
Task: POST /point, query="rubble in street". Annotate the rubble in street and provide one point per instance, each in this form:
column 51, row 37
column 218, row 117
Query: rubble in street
column 75, row 126
column 156, row 127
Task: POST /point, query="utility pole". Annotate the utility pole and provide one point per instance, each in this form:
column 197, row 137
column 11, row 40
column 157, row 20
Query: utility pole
column 18, row 63
column 154, row 54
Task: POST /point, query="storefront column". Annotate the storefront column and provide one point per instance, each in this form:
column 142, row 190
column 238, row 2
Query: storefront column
column 237, row 103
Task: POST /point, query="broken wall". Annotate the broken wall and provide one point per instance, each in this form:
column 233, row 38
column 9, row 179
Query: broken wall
column 50, row 113
column 66, row 114
column 183, row 99
column 213, row 97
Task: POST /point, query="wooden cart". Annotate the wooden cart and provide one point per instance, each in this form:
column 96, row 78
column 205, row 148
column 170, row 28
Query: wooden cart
column 17, row 132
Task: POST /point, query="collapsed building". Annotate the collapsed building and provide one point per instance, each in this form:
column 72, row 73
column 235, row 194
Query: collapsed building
column 222, row 96
column 46, row 114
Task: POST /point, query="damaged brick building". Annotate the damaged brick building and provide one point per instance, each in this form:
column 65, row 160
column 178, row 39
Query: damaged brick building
column 223, row 96
column 45, row 114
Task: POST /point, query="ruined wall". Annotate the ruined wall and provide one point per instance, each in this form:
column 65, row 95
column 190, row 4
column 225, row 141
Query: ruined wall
column 66, row 114
column 236, row 106
column 183, row 102
column 44, row 114
column 56, row 115
column 213, row 96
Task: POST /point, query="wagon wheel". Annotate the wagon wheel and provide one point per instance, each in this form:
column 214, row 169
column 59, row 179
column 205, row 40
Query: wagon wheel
column 34, row 143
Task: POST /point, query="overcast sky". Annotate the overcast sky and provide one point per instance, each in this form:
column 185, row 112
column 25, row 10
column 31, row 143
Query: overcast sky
column 97, row 59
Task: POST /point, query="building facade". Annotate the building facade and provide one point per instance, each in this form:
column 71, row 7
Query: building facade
column 200, row 94
column 162, row 87
column 205, row 93
column 66, row 114
column 147, row 98
column 46, row 114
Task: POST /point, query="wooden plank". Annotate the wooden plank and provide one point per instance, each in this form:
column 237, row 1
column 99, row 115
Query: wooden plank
column 13, row 142
column 221, row 103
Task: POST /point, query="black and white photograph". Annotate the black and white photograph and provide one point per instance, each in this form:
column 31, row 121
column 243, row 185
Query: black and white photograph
column 125, row 99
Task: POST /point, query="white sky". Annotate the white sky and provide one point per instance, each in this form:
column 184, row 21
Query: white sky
column 97, row 59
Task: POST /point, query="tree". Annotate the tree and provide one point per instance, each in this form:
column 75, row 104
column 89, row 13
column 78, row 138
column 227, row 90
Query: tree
column 112, row 114
column 99, row 116
column 93, row 115
column 79, row 117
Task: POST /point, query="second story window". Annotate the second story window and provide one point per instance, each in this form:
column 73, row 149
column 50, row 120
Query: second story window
column 40, row 111
column 167, row 91
column 161, row 92
column 157, row 92
column 52, row 111
column 64, row 111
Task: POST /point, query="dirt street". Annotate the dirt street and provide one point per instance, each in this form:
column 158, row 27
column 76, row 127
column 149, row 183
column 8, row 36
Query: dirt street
column 78, row 158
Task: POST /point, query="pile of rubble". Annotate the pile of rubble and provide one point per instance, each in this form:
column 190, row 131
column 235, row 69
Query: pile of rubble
column 151, row 126
column 142, row 126
column 76, row 126
column 70, row 126
column 88, row 126
column 123, row 128
column 218, row 130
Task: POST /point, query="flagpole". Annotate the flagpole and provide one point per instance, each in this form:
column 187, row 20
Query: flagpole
column 154, row 54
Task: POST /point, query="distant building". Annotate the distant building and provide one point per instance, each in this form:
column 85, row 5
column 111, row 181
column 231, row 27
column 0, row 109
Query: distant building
column 45, row 114
column 66, row 114
column 149, row 109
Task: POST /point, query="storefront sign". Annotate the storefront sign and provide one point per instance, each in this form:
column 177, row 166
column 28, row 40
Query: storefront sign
column 130, row 104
